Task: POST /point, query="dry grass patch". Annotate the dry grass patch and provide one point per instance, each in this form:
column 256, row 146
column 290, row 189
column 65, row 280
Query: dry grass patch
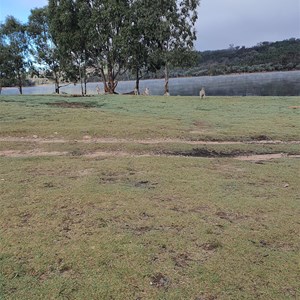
column 149, row 224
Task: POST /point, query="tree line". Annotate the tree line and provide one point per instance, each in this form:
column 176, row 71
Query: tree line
column 69, row 41
column 264, row 57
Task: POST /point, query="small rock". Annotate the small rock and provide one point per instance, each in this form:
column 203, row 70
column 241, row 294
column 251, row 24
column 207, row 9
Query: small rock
column 286, row 185
column 35, row 136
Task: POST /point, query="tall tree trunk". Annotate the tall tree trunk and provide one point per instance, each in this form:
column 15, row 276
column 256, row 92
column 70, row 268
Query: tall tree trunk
column 81, row 81
column 85, row 79
column 104, row 80
column 56, row 83
column 111, row 81
column 166, row 78
column 85, row 83
column 20, row 84
column 137, row 80
column 56, row 86
column 84, row 74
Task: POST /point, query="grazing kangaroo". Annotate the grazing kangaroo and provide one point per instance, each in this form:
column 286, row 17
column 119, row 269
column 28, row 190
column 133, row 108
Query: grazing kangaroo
column 202, row 93
column 146, row 92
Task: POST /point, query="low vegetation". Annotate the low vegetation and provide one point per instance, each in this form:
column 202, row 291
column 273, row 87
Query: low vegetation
column 134, row 197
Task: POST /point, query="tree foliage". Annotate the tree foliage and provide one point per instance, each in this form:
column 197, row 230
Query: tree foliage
column 69, row 41
column 14, row 52
column 173, row 31
column 109, row 34
column 116, row 35
column 45, row 54
column 142, row 57
column 68, row 38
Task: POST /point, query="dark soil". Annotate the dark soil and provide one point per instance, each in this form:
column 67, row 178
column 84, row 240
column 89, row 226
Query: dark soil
column 261, row 137
column 160, row 281
column 146, row 184
column 211, row 246
column 198, row 152
column 181, row 260
column 65, row 104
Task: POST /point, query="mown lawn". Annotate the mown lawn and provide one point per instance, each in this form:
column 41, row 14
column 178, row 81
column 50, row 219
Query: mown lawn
column 220, row 118
column 159, row 226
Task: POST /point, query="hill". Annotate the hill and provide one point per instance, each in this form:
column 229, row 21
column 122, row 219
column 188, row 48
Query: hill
column 264, row 57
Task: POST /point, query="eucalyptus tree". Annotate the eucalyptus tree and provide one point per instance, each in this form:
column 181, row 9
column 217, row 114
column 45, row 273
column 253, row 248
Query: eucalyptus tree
column 142, row 56
column 82, row 35
column 114, row 35
column 43, row 50
column 108, row 43
column 6, row 72
column 14, row 44
column 94, row 33
column 138, row 52
column 69, row 39
column 173, row 31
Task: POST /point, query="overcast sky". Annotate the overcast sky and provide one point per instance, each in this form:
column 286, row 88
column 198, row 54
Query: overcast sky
column 220, row 23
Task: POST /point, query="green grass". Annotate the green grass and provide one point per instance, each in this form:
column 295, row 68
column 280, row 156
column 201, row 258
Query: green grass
column 156, row 227
column 221, row 118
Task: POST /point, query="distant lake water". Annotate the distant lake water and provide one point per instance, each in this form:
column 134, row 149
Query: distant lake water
column 248, row 84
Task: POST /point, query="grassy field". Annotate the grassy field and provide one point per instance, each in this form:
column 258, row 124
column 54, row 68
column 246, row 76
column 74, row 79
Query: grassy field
column 132, row 197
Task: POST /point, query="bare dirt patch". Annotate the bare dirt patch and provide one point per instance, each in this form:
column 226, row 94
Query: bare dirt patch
column 261, row 137
column 145, row 184
column 116, row 154
column 200, row 209
column 231, row 217
column 99, row 154
column 182, row 260
column 33, row 139
column 160, row 280
column 237, row 154
column 31, row 153
column 195, row 152
column 262, row 157
column 211, row 246
column 198, row 152
column 89, row 139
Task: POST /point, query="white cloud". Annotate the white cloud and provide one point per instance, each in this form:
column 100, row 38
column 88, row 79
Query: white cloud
column 224, row 22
